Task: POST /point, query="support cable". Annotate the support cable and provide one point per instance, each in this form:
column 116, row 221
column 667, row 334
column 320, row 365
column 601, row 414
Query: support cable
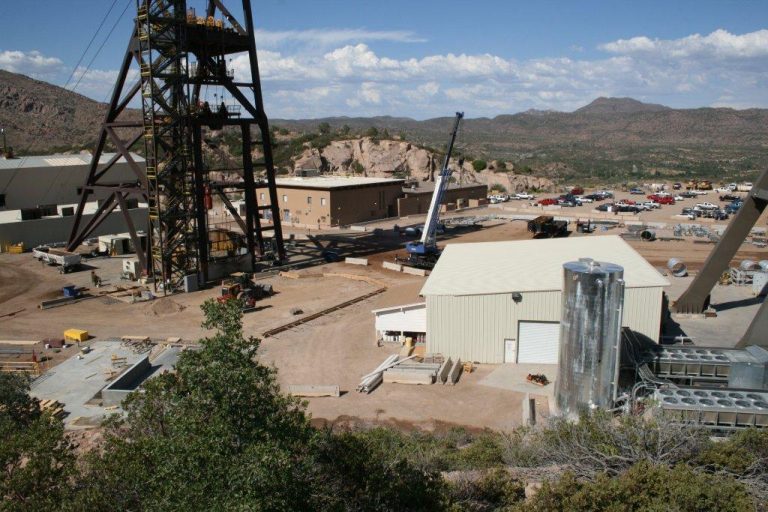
column 93, row 38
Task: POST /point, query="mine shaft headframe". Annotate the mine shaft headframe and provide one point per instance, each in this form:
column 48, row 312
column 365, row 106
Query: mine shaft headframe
column 174, row 182
column 696, row 298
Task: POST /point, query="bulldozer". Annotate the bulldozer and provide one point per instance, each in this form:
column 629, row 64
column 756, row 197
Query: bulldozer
column 241, row 287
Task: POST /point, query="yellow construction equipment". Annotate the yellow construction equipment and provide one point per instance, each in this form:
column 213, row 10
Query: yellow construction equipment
column 75, row 335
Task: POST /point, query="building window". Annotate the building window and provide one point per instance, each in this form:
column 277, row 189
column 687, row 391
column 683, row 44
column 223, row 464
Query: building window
column 285, row 198
column 309, row 199
column 322, row 201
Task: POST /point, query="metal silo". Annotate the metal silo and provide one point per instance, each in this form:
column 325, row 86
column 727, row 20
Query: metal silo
column 590, row 330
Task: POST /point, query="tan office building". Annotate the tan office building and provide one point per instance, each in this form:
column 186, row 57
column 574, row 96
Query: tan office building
column 334, row 201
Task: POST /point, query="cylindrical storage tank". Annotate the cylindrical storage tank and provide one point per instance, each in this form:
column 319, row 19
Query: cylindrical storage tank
column 763, row 265
column 648, row 235
column 677, row 267
column 748, row 265
column 590, row 331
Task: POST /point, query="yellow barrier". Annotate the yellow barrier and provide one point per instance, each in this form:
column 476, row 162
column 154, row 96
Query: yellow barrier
column 75, row 335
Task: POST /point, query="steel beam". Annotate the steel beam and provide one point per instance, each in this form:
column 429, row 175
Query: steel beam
column 696, row 298
column 757, row 333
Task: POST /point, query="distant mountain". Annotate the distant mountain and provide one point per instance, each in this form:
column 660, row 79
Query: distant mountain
column 604, row 105
column 603, row 135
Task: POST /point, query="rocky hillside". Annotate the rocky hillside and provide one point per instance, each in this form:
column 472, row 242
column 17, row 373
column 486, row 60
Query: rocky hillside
column 616, row 139
column 40, row 118
column 391, row 158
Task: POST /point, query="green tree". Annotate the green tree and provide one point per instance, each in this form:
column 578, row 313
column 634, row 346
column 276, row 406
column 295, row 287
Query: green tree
column 498, row 187
column 217, row 434
column 345, row 130
column 372, row 132
column 479, row 165
column 37, row 459
column 357, row 167
column 324, row 128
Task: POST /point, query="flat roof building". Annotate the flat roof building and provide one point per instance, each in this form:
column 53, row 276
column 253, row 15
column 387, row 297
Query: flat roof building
column 324, row 201
column 495, row 302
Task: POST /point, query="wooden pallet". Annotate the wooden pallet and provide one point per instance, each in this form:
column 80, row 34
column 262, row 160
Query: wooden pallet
column 54, row 407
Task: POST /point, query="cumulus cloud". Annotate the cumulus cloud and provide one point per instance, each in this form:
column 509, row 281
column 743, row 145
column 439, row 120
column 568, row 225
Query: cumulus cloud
column 719, row 44
column 32, row 63
column 346, row 73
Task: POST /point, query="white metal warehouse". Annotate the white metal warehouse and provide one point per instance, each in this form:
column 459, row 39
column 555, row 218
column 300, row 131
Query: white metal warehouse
column 496, row 302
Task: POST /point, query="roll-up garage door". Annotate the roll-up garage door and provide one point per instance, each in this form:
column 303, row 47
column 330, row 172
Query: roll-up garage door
column 538, row 342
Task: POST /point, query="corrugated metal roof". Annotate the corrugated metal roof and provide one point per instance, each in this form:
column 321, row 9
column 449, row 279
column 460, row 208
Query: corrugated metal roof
column 324, row 182
column 28, row 162
column 531, row 265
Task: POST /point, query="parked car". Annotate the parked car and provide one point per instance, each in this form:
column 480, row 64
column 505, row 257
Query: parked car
column 688, row 194
column 636, row 191
column 595, row 197
column 566, row 202
column 577, row 191
column 627, row 208
column 730, row 197
column 707, row 206
column 687, row 211
column 678, row 197
column 651, row 204
column 719, row 215
column 732, row 207
column 584, row 199
column 723, row 190
column 524, row 195
column 548, row 201
column 604, row 207
column 677, row 186
column 662, row 199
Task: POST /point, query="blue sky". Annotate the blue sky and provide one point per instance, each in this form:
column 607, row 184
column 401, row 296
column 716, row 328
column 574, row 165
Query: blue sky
column 428, row 58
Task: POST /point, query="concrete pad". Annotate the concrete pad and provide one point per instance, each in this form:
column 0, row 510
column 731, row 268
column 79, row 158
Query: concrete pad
column 415, row 271
column 356, row 261
column 512, row 377
column 75, row 381
column 392, row 266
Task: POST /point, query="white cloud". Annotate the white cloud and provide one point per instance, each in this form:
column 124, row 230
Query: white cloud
column 350, row 77
column 32, row 63
column 719, row 44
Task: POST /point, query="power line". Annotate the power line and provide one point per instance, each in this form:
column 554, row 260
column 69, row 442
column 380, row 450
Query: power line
column 82, row 56
column 88, row 67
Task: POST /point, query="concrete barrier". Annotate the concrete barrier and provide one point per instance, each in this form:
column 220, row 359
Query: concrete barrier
column 415, row 271
column 356, row 261
column 392, row 266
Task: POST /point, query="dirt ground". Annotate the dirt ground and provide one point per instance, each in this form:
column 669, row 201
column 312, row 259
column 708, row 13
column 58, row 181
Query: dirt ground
column 335, row 349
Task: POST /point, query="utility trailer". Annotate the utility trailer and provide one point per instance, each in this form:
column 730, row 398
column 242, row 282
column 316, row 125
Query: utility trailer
column 545, row 226
column 65, row 260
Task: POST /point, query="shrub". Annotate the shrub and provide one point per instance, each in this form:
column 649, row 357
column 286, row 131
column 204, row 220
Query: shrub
column 479, row 165
column 644, row 486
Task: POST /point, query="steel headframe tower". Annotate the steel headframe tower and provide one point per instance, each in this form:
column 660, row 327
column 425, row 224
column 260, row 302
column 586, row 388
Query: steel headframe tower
column 177, row 53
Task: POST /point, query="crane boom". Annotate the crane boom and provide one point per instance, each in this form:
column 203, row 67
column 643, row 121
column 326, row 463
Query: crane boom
column 428, row 237
column 425, row 252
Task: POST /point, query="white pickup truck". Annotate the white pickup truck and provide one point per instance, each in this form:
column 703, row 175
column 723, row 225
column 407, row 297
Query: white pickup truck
column 65, row 260
column 524, row 195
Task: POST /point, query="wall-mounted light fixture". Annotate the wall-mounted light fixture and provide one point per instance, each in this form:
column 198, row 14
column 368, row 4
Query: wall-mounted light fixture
column 517, row 297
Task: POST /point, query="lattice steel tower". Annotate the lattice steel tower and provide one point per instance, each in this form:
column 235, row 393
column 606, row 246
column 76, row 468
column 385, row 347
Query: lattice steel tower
column 178, row 53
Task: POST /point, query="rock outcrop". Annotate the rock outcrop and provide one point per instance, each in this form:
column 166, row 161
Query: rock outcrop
column 388, row 158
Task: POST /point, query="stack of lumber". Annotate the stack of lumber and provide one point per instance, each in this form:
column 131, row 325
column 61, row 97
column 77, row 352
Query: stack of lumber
column 412, row 373
column 54, row 407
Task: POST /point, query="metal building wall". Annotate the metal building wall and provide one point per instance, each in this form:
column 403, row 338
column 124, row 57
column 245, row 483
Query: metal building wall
column 28, row 187
column 473, row 327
